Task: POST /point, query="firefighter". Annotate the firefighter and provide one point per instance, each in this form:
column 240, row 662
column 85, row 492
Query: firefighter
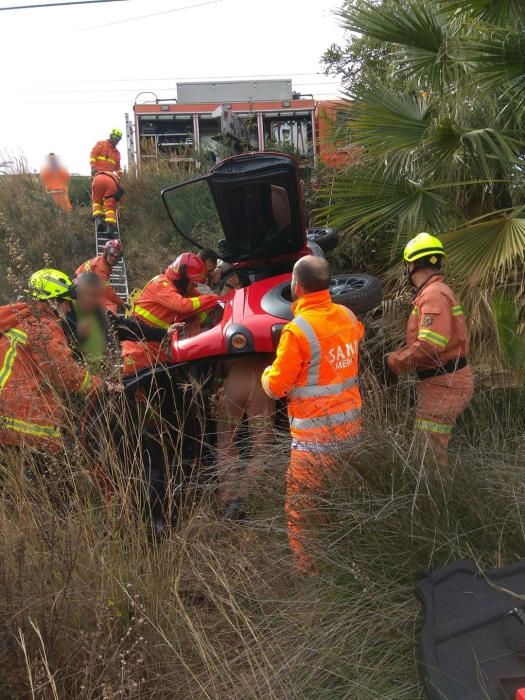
column 37, row 368
column 436, row 348
column 55, row 179
column 242, row 398
column 106, row 190
column 316, row 369
column 102, row 266
column 106, row 195
column 105, row 157
column 165, row 300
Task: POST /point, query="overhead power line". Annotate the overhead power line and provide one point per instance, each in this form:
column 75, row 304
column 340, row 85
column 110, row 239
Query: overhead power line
column 176, row 79
column 57, row 4
column 153, row 14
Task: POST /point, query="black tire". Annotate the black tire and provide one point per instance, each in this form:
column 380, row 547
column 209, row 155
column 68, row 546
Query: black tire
column 358, row 292
column 326, row 238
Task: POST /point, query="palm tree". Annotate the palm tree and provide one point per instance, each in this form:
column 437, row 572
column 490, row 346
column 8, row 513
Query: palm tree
column 442, row 140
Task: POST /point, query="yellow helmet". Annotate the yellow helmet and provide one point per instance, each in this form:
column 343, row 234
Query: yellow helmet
column 424, row 245
column 50, row 284
column 115, row 134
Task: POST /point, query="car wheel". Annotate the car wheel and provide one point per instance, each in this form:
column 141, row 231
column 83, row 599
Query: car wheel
column 326, row 238
column 359, row 292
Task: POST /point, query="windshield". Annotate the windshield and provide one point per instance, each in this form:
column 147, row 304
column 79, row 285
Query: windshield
column 193, row 212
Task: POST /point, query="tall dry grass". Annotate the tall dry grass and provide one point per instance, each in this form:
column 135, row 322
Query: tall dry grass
column 91, row 608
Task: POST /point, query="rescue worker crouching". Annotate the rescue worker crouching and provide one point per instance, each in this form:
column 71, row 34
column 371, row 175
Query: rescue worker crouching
column 436, row 348
column 37, row 368
column 165, row 300
column 102, row 266
column 106, row 190
column 316, row 368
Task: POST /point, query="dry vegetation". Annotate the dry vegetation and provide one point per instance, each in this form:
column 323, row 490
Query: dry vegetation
column 91, row 609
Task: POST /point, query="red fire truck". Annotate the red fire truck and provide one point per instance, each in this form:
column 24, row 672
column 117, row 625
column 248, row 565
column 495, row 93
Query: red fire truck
column 250, row 115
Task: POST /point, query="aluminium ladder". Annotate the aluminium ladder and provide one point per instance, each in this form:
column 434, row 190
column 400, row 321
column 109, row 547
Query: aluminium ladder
column 119, row 276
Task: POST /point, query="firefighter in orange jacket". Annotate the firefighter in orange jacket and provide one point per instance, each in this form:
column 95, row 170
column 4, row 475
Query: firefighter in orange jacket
column 55, row 180
column 37, row 368
column 164, row 300
column 316, row 368
column 436, row 348
column 106, row 190
column 102, row 266
column 105, row 157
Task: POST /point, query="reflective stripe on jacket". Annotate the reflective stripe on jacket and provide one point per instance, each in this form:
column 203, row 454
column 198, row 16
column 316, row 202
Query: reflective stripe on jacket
column 436, row 330
column 160, row 305
column 37, row 371
column 316, row 367
column 105, row 158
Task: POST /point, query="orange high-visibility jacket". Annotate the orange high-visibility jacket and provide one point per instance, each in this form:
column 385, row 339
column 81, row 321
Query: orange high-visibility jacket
column 55, row 179
column 436, row 330
column 101, row 268
column 37, row 371
column 160, row 305
column 316, row 368
column 105, row 158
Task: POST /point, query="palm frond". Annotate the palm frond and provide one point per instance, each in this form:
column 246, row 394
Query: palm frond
column 496, row 12
column 511, row 344
column 498, row 61
column 417, row 28
column 382, row 122
column 488, row 248
column 366, row 202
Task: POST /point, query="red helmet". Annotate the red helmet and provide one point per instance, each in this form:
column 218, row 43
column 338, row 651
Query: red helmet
column 113, row 247
column 187, row 266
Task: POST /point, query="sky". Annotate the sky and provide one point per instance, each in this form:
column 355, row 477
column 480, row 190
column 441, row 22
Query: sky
column 69, row 74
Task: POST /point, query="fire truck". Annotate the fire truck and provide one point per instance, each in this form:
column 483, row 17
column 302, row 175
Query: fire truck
column 241, row 115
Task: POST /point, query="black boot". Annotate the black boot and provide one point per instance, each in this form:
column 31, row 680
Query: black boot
column 100, row 223
column 110, row 230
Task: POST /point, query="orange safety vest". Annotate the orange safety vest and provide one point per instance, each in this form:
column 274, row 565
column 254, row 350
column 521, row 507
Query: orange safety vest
column 316, row 368
column 55, row 179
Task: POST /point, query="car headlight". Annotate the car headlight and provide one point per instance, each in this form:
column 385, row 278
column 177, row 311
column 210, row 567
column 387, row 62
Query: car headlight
column 238, row 341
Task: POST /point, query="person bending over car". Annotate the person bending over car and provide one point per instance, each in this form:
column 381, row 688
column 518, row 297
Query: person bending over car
column 166, row 299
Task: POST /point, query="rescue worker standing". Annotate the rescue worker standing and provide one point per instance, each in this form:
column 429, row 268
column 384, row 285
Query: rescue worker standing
column 37, row 368
column 436, row 348
column 102, row 266
column 106, row 191
column 316, row 368
column 165, row 300
column 55, row 179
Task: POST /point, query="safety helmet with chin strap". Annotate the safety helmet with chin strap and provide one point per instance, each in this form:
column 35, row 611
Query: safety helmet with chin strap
column 115, row 134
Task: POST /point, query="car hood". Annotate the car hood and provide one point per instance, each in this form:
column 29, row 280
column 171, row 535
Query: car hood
column 258, row 197
column 257, row 200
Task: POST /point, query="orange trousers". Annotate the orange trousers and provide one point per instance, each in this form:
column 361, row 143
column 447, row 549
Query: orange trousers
column 439, row 403
column 139, row 354
column 61, row 199
column 309, row 475
column 103, row 191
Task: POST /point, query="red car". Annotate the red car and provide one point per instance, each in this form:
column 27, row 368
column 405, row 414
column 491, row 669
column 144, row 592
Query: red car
column 253, row 203
column 249, row 207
